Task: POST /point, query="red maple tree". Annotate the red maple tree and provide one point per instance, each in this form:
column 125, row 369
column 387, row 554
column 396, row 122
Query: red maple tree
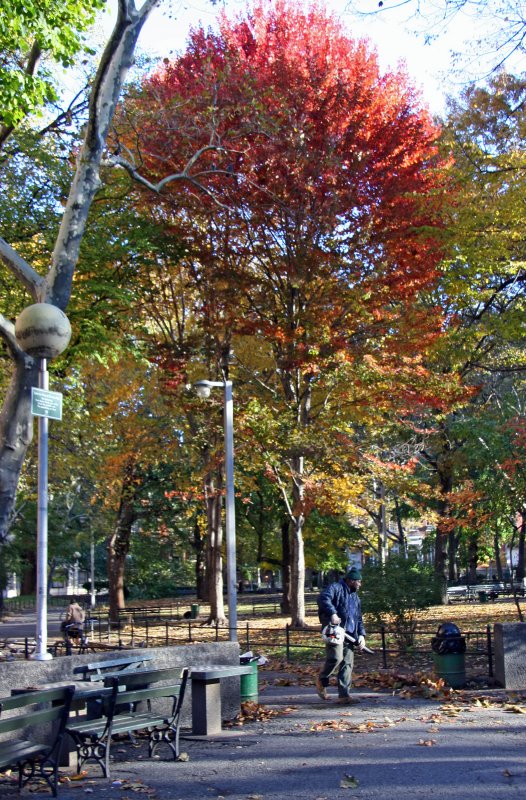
column 310, row 208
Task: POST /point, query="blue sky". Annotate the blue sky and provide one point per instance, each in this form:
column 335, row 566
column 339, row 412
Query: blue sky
column 392, row 31
column 429, row 65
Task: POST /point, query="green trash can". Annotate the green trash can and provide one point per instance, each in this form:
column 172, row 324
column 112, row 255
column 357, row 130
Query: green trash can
column 194, row 611
column 248, row 687
column 483, row 597
column 449, row 655
column 452, row 668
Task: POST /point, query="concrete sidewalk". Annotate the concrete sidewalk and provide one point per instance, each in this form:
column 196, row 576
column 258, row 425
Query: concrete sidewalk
column 18, row 625
column 388, row 746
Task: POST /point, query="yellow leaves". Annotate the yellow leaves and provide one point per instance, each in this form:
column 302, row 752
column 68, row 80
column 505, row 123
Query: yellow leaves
column 514, row 709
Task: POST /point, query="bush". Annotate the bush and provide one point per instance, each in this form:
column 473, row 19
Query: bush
column 395, row 592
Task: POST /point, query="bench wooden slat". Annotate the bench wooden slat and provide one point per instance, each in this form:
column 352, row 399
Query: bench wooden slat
column 93, row 737
column 98, row 668
column 11, row 752
column 150, row 693
column 27, row 698
column 146, row 676
column 37, row 717
column 19, row 752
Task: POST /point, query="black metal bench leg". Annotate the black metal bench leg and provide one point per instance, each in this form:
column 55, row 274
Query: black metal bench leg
column 88, row 750
column 169, row 736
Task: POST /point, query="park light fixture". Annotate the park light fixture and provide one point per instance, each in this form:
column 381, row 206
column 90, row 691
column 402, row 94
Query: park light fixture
column 43, row 332
column 203, row 389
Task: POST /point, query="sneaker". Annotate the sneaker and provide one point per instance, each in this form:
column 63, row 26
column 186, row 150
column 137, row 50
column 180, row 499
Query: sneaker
column 321, row 690
column 348, row 701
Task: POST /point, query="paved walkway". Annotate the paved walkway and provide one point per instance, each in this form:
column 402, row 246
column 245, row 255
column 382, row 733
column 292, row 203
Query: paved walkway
column 389, row 746
column 20, row 624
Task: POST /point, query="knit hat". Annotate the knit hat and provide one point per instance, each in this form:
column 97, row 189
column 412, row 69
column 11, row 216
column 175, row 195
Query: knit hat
column 354, row 574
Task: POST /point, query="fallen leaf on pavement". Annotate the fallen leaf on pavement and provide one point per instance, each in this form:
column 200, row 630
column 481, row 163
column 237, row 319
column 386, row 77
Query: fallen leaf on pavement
column 514, row 709
column 349, row 782
column 79, row 776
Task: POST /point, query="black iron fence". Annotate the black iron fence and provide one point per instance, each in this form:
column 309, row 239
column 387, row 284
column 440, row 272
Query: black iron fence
column 136, row 628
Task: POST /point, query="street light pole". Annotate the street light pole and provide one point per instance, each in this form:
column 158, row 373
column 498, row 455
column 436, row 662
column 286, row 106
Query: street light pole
column 230, row 513
column 92, row 569
column 43, row 331
column 41, row 651
column 203, row 390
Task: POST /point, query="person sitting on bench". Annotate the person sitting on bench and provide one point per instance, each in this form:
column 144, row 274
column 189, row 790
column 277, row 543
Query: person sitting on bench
column 74, row 620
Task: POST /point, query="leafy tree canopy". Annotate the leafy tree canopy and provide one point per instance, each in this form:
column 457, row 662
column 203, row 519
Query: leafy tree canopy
column 29, row 31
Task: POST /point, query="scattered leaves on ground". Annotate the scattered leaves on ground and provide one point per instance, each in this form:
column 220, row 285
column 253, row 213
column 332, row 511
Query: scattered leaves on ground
column 254, row 712
column 368, row 726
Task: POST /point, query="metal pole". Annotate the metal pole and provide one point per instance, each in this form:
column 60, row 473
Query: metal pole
column 490, row 651
column 230, row 512
column 92, row 570
column 41, row 651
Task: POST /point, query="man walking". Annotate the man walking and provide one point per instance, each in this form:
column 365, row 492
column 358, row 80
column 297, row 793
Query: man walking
column 339, row 604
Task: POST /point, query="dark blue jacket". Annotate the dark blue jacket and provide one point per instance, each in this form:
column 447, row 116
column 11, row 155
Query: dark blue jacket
column 337, row 598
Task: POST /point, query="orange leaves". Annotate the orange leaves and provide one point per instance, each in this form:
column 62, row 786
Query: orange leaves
column 406, row 684
column 254, row 712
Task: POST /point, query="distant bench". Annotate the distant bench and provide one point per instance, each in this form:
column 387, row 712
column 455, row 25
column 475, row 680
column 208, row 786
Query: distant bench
column 119, row 701
column 100, row 670
column 35, row 760
column 478, row 591
column 206, row 695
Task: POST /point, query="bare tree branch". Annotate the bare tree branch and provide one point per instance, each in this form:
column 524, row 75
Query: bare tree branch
column 32, row 281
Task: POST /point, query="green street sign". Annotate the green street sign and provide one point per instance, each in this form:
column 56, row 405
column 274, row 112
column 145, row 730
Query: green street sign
column 46, row 404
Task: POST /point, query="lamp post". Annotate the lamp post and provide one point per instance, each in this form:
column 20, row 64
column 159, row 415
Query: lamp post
column 92, row 570
column 203, row 389
column 43, row 331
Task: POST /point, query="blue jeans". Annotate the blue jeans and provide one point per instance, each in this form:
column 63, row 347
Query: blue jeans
column 339, row 661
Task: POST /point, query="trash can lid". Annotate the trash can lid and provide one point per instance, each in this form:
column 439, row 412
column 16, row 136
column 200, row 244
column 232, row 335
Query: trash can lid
column 448, row 629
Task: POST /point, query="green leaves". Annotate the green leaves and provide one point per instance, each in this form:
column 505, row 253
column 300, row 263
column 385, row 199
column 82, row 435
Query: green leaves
column 30, row 30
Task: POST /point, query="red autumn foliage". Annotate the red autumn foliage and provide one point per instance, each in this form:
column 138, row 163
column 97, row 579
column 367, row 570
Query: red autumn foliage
column 311, row 209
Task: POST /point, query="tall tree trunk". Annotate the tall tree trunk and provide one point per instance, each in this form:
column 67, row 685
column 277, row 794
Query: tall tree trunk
column 401, row 533
column 16, row 432
column 200, row 562
column 379, row 493
column 118, row 549
column 498, row 559
column 519, row 572
column 445, row 478
column 286, row 569
column 297, row 593
column 473, row 559
column 452, row 555
column 28, row 581
column 213, row 499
